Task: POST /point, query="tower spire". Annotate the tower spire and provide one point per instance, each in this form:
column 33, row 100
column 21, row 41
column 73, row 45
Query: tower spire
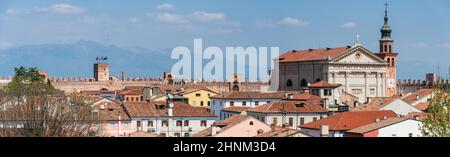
column 386, row 29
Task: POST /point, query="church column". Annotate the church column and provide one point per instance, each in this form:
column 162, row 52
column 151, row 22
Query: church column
column 366, row 88
column 346, row 82
column 377, row 85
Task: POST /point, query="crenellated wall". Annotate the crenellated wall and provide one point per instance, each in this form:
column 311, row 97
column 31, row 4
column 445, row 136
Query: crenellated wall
column 408, row 86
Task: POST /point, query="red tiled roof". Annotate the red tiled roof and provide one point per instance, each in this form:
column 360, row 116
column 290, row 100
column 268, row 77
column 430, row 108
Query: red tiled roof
column 224, row 124
column 280, row 132
column 159, row 109
column 423, row 106
column 112, row 111
column 236, row 109
column 411, row 98
column 290, row 107
column 378, row 125
column 376, row 104
column 323, row 84
column 312, row 55
column 305, row 96
column 349, row 120
column 250, row 95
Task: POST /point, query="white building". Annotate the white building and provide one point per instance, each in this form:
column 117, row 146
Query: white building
column 242, row 99
column 397, row 105
column 289, row 114
column 394, row 127
column 175, row 119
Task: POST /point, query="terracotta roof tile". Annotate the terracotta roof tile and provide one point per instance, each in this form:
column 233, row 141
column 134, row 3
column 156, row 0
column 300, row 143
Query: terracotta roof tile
column 377, row 125
column 290, row 107
column 412, row 98
column 236, row 109
column 423, row 106
column 159, row 109
column 376, row 104
column 312, row 55
column 349, row 120
column 279, row 132
column 250, row 95
column 323, row 84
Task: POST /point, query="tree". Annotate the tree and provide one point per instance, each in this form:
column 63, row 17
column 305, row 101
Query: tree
column 436, row 123
column 33, row 108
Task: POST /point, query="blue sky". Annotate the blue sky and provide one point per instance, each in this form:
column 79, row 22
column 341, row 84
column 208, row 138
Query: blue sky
column 421, row 28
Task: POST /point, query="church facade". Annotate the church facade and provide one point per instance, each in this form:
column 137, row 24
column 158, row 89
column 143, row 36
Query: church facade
column 361, row 73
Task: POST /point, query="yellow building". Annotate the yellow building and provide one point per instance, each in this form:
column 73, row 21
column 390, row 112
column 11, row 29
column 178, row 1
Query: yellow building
column 199, row 97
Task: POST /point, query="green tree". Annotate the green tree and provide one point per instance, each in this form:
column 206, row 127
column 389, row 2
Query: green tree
column 436, row 123
column 34, row 108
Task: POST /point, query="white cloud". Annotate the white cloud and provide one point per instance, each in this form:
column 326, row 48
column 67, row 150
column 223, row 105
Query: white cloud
column 165, row 6
column 171, row 18
column 349, row 25
column 290, row 21
column 134, row 20
column 5, row 45
column 207, row 17
column 419, row 45
column 445, row 45
column 62, row 9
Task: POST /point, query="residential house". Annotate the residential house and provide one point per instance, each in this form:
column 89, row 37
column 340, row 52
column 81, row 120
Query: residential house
column 199, row 97
column 339, row 124
column 242, row 99
column 176, row 119
column 420, row 96
column 115, row 122
column 240, row 125
column 131, row 94
column 328, row 91
column 395, row 104
column 392, row 127
column 290, row 114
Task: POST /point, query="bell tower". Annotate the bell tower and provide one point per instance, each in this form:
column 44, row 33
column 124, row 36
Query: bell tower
column 387, row 53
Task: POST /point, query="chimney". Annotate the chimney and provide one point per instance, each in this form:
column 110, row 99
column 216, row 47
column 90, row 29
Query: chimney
column 214, row 130
column 417, row 97
column 324, row 131
column 123, row 76
column 170, row 109
column 369, row 100
column 377, row 120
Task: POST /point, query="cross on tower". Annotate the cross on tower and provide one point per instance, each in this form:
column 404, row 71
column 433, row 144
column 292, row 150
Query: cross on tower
column 386, row 7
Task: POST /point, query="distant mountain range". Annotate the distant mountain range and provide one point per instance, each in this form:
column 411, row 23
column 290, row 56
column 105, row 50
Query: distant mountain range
column 77, row 59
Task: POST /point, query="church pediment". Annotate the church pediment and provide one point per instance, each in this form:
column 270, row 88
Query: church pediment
column 359, row 55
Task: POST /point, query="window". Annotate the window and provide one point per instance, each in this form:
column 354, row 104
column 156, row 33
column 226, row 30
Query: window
column 231, row 103
column 314, row 119
column 198, row 95
column 289, row 83
column 327, row 92
column 302, row 121
column 390, row 48
column 385, row 48
column 274, row 120
column 138, row 124
column 393, row 62
column 186, row 135
column 132, row 98
column 394, row 135
column 179, row 123
column 244, row 103
column 177, row 135
column 291, row 122
column 128, row 99
column 303, row 83
column 372, row 91
column 411, row 135
column 256, row 103
column 165, row 123
column 251, row 123
column 389, row 61
column 356, row 91
column 209, row 103
column 149, row 123
column 163, row 134
column 186, row 123
column 201, row 103
column 203, row 123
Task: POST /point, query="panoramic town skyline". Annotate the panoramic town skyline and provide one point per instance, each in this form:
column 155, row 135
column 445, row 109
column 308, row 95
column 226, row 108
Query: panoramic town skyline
column 419, row 29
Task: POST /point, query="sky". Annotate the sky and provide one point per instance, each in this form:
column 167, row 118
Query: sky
column 421, row 29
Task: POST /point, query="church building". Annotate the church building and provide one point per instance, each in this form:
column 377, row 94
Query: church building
column 359, row 71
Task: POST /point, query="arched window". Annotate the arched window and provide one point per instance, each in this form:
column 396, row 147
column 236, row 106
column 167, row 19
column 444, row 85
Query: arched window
column 385, row 48
column 289, row 83
column 235, row 88
column 304, row 83
column 389, row 61
column 393, row 62
column 390, row 49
